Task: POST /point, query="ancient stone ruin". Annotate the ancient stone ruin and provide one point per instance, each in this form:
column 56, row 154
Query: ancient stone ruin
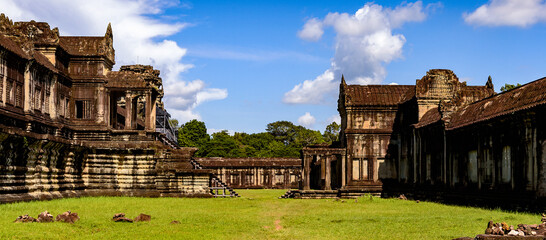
column 70, row 126
column 439, row 140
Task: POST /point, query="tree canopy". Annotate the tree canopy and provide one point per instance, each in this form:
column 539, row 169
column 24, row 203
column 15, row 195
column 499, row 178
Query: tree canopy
column 281, row 139
column 508, row 87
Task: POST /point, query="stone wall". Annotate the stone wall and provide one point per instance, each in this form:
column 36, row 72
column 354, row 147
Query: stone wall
column 40, row 169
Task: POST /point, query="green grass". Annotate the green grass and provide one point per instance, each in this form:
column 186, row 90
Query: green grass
column 258, row 214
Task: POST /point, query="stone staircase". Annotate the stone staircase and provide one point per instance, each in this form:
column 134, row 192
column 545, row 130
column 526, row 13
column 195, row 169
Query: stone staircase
column 290, row 194
column 217, row 187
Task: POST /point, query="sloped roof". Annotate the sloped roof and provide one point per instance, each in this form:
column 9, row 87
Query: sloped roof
column 11, row 46
column 527, row 96
column 431, row 116
column 249, row 162
column 42, row 60
column 82, row 46
column 377, row 95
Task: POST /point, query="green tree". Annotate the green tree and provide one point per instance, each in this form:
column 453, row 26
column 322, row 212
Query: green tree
column 193, row 134
column 222, row 145
column 174, row 122
column 283, row 131
column 508, row 87
column 331, row 134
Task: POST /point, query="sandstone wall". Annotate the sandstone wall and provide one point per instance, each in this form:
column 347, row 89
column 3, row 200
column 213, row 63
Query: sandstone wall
column 40, row 169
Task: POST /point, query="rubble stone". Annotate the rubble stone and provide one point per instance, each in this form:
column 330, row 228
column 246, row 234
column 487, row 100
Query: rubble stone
column 45, row 217
column 67, row 217
column 143, row 218
column 24, row 219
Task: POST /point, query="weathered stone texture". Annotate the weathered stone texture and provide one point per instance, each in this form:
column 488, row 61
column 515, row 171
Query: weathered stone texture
column 70, row 126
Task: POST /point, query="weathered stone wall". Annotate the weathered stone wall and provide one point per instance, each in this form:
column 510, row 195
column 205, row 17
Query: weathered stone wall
column 39, row 169
column 33, row 169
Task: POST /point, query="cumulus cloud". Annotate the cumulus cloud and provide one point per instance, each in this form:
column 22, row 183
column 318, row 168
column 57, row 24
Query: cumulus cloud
column 307, row 120
column 312, row 91
column 364, row 44
column 312, row 30
column 138, row 38
column 519, row 13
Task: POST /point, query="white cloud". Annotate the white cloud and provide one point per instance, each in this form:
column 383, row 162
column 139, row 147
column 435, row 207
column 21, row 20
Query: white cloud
column 312, row 91
column 312, row 30
column 519, row 13
column 364, row 45
column 334, row 118
column 307, row 120
column 138, row 38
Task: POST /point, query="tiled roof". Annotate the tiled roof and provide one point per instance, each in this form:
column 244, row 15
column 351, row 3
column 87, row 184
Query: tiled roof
column 249, row 162
column 517, row 99
column 11, row 46
column 431, row 116
column 376, row 95
column 42, row 60
column 82, row 46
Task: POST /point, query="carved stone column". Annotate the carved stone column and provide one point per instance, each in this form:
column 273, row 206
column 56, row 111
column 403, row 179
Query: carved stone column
column 343, row 170
column 328, row 177
column 307, row 172
column 148, row 118
column 128, row 110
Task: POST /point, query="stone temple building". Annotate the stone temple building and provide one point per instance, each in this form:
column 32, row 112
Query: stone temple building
column 438, row 139
column 70, row 126
column 280, row 173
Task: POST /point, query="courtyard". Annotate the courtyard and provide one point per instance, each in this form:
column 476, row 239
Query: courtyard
column 257, row 214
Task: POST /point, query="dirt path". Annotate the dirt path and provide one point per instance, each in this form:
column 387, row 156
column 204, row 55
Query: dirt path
column 278, row 225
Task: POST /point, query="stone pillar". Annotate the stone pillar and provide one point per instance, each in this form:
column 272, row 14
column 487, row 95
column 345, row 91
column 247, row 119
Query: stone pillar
column 53, row 96
column 128, row 110
column 307, row 172
column 148, row 117
column 26, row 89
column 101, row 105
column 328, row 177
column 343, row 170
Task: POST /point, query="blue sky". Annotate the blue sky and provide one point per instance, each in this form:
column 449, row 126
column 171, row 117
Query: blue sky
column 239, row 65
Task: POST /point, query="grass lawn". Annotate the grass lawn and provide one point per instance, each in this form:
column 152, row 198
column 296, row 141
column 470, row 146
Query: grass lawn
column 258, row 214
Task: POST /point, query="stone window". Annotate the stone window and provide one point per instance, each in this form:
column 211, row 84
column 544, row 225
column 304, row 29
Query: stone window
column 234, row 179
column 473, row 166
column 360, row 169
column 46, row 101
column 66, row 104
column 292, row 178
column 279, row 178
column 9, row 92
column 2, row 67
column 266, row 178
column 487, row 166
column 19, row 95
column 249, row 179
column 83, row 109
column 62, row 106
column 37, row 98
column 506, row 169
